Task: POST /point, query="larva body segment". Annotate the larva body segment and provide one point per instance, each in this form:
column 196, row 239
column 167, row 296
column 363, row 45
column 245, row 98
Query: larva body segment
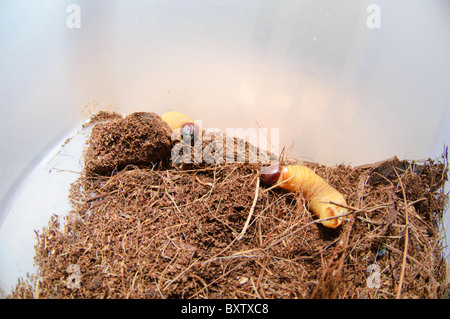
column 318, row 193
column 176, row 119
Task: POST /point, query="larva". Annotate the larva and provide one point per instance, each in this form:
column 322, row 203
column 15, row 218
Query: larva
column 181, row 124
column 318, row 193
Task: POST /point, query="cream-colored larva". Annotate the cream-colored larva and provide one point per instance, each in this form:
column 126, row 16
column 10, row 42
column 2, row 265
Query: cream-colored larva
column 318, row 193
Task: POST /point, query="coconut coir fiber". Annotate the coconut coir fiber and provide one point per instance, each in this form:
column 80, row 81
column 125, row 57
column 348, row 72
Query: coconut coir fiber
column 143, row 226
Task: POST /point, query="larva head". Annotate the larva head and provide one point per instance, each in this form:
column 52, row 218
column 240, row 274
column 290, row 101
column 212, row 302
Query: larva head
column 189, row 131
column 270, row 174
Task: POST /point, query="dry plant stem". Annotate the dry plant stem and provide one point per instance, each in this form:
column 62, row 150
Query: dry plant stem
column 252, row 209
column 278, row 184
column 132, row 285
column 405, row 251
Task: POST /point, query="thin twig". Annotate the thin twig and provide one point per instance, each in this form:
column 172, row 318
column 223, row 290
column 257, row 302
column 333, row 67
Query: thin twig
column 405, row 250
column 175, row 204
column 252, row 209
column 278, row 184
column 101, row 196
column 132, row 285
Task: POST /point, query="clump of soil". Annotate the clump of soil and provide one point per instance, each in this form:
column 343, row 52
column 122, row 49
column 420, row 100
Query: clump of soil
column 141, row 138
column 209, row 230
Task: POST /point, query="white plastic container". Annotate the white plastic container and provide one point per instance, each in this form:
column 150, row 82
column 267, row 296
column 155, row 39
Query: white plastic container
column 343, row 81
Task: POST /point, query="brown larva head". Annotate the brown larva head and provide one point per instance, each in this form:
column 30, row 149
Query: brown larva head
column 189, row 131
column 270, row 174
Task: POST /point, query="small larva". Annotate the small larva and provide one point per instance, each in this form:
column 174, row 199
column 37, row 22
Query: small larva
column 181, row 124
column 318, row 193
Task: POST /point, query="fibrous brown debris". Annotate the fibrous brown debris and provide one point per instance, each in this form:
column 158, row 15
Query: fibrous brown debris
column 177, row 231
column 140, row 138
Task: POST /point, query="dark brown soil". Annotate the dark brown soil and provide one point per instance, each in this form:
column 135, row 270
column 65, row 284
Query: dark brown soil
column 139, row 139
column 151, row 228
